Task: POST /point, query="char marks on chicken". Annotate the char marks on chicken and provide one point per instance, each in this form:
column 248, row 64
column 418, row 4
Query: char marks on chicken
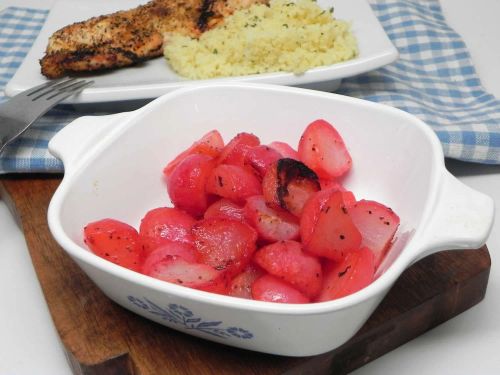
column 131, row 36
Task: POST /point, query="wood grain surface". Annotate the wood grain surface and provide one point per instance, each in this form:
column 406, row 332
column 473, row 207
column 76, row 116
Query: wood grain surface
column 101, row 337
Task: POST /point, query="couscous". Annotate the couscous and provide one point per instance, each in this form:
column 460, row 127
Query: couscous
column 291, row 36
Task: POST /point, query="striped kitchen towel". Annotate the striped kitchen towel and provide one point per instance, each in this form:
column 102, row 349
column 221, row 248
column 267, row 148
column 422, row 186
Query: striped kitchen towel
column 433, row 79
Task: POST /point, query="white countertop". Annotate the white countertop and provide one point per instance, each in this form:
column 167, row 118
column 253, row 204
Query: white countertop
column 467, row 344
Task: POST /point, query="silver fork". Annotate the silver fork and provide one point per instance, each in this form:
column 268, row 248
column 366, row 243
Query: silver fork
column 18, row 113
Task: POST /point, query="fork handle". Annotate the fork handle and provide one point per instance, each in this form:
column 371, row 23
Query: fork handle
column 74, row 143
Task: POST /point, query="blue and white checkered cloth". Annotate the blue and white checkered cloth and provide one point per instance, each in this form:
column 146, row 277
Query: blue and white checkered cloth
column 434, row 79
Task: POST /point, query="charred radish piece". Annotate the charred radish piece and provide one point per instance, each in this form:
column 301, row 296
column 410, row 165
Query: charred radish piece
column 288, row 184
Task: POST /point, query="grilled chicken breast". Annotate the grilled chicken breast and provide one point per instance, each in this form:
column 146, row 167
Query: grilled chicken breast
column 131, row 36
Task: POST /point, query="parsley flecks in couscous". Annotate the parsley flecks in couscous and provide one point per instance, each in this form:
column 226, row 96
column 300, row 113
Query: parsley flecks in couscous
column 284, row 36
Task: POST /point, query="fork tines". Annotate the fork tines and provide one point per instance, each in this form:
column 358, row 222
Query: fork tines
column 52, row 89
column 18, row 113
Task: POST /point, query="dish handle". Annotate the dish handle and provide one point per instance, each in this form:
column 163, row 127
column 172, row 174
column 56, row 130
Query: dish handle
column 80, row 135
column 463, row 219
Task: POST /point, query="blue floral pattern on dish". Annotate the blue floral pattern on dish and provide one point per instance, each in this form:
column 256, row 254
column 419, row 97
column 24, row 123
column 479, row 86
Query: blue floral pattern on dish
column 181, row 315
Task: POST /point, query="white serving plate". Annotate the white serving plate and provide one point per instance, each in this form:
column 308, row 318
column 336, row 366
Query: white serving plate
column 154, row 78
column 113, row 168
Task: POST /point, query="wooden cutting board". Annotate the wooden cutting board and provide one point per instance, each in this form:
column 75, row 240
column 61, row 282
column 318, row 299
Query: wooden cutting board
column 100, row 337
